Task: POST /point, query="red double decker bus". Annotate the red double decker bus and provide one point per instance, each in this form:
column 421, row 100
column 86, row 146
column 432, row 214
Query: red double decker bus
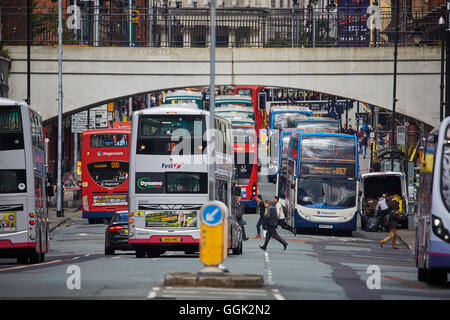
column 253, row 92
column 246, row 163
column 105, row 155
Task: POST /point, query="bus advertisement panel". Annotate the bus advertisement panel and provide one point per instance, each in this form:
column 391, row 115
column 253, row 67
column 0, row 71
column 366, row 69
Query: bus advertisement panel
column 104, row 173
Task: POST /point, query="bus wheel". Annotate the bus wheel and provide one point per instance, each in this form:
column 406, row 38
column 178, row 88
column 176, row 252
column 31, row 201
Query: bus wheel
column 22, row 258
column 421, row 274
column 153, row 253
column 436, row 277
column 140, row 253
column 34, row 257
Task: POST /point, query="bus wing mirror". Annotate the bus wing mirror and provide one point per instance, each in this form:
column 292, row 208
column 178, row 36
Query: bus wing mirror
column 307, row 200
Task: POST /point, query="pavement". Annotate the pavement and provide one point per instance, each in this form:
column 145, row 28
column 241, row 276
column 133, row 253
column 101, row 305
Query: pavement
column 70, row 214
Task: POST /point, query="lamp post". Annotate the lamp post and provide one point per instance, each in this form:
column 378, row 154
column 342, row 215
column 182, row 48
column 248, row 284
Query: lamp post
column 394, row 89
column 441, row 103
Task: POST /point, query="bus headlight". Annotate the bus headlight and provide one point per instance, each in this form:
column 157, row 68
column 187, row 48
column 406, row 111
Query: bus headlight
column 439, row 230
column 303, row 214
column 32, row 237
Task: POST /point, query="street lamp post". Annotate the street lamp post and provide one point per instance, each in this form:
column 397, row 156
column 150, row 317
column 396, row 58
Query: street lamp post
column 394, row 91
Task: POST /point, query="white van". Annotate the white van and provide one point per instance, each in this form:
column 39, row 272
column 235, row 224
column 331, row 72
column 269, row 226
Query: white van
column 373, row 185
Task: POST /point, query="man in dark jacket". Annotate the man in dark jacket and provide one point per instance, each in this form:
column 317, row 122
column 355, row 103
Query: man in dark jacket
column 260, row 209
column 240, row 215
column 271, row 220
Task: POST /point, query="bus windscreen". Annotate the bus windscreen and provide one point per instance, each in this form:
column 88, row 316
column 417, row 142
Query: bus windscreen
column 109, row 140
column 326, row 193
column 108, row 173
column 244, row 135
column 160, row 135
column 283, row 120
column 318, row 126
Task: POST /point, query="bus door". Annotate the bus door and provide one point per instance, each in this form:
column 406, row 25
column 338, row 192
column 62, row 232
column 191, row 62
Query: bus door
column 290, row 191
column 41, row 215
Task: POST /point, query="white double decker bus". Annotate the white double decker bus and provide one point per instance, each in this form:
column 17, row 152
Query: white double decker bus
column 23, row 211
column 169, row 182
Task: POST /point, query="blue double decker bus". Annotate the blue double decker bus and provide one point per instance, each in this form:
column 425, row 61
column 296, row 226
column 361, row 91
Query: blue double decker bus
column 322, row 181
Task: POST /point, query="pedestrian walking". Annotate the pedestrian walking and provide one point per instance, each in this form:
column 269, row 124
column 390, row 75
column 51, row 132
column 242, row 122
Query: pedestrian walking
column 363, row 143
column 390, row 221
column 281, row 215
column 260, row 210
column 271, row 219
column 240, row 215
column 390, row 225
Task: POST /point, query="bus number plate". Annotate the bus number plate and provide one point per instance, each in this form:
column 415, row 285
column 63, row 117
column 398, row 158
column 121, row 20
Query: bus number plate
column 170, row 239
column 325, row 226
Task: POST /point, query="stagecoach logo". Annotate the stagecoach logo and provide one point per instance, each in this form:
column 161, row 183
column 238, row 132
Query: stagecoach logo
column 170, row 165
column 109, row 154
column 145, row 183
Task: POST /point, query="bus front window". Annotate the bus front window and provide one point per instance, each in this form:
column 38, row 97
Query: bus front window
column 326, row 193
column 159, row 135
column 108, row 173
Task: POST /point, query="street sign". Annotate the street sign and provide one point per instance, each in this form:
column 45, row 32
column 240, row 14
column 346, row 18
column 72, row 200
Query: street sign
column 70, row 183
column 213, row 233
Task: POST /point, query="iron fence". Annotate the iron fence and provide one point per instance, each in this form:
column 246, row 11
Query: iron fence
column 189, row 27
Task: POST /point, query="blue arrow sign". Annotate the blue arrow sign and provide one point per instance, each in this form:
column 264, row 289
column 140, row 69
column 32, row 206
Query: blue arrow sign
column 212, row 215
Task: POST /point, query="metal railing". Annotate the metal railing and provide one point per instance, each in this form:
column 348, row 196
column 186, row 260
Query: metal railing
column 241, row 27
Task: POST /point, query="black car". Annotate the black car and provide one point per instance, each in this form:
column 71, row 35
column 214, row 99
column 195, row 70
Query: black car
column 116, row 234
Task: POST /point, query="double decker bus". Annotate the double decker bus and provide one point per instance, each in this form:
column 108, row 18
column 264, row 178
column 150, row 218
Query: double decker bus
column 282, row 118
column 253, row 92
column 184, row 96
column 432, row 253
column 165, row 197
column 246, row 163
column 104, row 172
column 321, row 188
column 24, row 223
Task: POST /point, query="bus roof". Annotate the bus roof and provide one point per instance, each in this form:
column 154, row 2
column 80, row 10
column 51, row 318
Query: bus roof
column 233, row 98
column 318, row 119
column 184, row 94
column 187, row 108
column 8, row 102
